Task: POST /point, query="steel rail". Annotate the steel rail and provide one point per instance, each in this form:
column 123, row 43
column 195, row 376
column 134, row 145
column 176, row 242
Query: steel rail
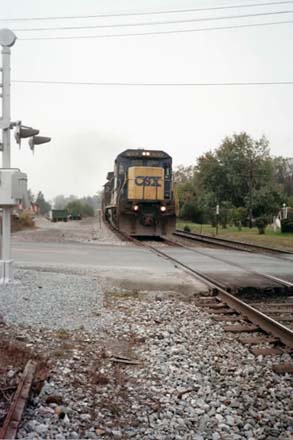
column 266, row 323
column 278, row 280
column 233, row 244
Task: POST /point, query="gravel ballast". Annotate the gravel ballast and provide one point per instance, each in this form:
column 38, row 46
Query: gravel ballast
column 52, row 300
column 138, row 365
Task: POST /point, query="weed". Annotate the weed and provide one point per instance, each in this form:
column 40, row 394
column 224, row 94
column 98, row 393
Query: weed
column 62, row 334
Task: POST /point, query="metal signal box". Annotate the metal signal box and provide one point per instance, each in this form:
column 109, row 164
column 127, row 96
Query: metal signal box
column 13, row 186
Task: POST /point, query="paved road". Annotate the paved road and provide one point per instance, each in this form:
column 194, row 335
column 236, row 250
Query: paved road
column 131, row 267
column 137, row 264
column 82, row 254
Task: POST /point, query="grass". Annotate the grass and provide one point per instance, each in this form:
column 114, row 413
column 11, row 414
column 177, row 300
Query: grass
column 270, row 238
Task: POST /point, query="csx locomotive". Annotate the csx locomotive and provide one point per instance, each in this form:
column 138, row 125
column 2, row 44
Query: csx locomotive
column 138, row 196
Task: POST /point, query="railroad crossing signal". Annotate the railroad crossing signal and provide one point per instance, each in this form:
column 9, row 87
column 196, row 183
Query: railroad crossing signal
column 23, row 132
column 38, row 140
column 13, row 180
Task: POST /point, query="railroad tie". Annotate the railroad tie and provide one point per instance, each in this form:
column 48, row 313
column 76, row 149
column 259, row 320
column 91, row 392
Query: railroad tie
column 226, row 318
column 266, row 351
column 240, row 328
column 257, row 339
column 283, row 368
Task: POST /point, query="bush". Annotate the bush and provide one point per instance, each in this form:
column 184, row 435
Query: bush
column 21, row 221
column 287, row 225
column 26, row 219
column 261, row 223
column 189, row 212
column 186, row 228
column 239, row 216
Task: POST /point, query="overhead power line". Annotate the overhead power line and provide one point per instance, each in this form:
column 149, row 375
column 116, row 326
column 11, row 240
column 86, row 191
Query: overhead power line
column 142, row 84
column 149, row 23
column 180, row 31
column 128, row 14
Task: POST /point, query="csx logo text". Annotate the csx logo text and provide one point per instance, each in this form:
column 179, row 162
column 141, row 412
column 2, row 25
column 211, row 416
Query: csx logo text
column 148, row 181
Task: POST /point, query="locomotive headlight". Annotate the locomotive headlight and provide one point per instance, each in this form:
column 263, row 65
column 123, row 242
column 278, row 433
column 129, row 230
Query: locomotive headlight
column 135, row 208
column 163, row 208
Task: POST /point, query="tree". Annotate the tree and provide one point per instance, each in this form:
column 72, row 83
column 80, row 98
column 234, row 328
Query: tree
column 30, row 196
column 42, row 203
column 77, row 208
column 283, row 171
column 236, row 168
column 240, row 176
column 266, row 201
column 238, row 172
column 183, row 174
column 61, row 201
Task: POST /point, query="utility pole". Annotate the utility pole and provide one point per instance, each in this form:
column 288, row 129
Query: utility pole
column 250, row 191
column 217, row 218
column 7, row 40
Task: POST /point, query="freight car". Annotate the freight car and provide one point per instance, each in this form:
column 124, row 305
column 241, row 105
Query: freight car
column 138, row 196
column 58, row 215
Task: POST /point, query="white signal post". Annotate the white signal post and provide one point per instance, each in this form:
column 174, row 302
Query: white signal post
column 12, row 181
column 7, row 40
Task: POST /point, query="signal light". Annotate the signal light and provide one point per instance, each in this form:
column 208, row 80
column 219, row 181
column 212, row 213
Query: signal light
column 135, row 208
column 38, row 140
column 163, row 208
column 22, row 132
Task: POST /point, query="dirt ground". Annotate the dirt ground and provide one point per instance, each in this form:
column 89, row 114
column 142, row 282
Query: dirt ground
column 88, row 230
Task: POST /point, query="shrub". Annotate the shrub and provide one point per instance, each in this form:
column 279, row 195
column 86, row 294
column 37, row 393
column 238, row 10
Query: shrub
column 186, row 228
column 239, row 216
column 21, row 221
column 26, row 220
column 261, row 223
column 287, row 225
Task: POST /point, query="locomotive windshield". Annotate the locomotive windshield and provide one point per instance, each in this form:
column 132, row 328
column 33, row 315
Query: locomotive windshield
column 145, row 163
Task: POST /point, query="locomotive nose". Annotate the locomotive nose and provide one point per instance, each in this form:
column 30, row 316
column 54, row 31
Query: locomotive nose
column 148, row 220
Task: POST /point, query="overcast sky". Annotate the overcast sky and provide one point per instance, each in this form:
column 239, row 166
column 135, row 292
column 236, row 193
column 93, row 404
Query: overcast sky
column 90, row 125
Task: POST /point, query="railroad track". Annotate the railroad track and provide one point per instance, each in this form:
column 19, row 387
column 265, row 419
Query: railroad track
column 283, row 284
column 256, row 317
column 229, row 304
column 231, row 244
column 13, row 418
column 228, row 307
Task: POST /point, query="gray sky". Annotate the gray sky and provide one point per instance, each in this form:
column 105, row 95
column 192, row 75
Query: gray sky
column 90, row 125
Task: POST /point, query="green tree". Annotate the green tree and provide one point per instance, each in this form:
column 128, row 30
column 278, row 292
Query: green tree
column 238, row 172
column 238, row 167
column 76, row 208
column 283, row 170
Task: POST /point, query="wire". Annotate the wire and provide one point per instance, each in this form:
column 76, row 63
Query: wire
column 190, row 20
column 81, row 37
column 127, row 84
column 127, row 14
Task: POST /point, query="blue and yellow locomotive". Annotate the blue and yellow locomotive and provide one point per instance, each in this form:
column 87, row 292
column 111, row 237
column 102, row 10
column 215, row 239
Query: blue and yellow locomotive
column 138, row 196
